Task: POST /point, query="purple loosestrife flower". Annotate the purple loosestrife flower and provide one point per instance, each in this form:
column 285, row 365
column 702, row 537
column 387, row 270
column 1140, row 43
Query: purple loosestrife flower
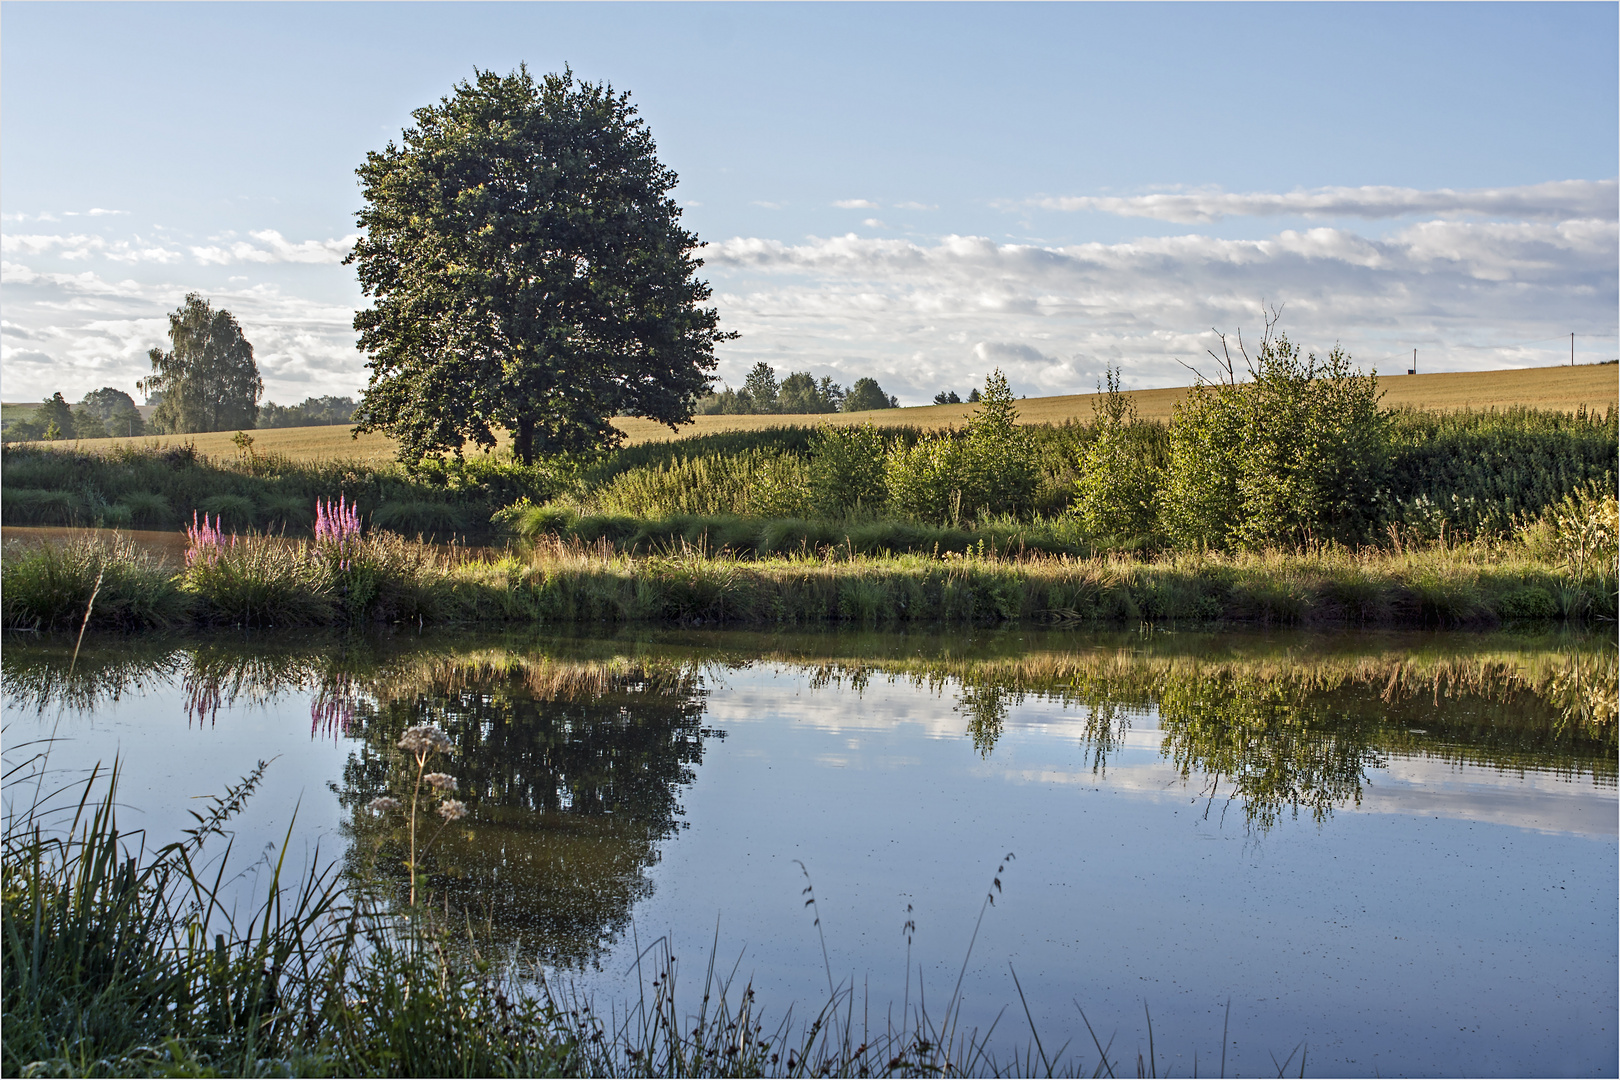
column 205, row 542
column 337, row 530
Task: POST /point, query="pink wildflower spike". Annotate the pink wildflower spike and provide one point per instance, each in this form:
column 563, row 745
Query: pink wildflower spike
column 205, row 540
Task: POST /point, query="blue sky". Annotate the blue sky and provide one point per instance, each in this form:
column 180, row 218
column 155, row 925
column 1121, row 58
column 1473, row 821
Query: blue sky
column 914, row 192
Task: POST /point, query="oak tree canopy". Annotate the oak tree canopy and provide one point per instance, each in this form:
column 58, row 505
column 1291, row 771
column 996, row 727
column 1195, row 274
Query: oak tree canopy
column 528, row 271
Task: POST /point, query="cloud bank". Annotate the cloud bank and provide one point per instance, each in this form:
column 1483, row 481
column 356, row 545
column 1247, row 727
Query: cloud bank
column 1473, row 279
column 1557, row 200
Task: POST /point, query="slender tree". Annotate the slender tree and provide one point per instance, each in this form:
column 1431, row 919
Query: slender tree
column 529, row 273
column 208, row 378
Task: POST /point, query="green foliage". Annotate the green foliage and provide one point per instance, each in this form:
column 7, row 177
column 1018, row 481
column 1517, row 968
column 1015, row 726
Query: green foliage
column 925, row 481
column 420, row 517
column 758, row 482
column 1000, row 465
column 760, row 389
column 49, row 587
column 1117, row 492
column 529, row 272
column 115, row 409
column 208, row 378
column 53, row 420
column 1475, row 473
column 32, row 506
column 866, row 395
column 165, row 487
column 1299, row 453
column 990, row 469
column 847, row 469
column 801, row 393
column 325, row 411
column 233, row 511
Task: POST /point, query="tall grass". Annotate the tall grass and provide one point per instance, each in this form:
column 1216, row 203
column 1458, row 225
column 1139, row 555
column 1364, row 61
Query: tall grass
column 269, row 581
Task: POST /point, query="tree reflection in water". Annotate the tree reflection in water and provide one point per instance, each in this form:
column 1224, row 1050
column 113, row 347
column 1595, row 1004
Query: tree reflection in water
column 572, row 776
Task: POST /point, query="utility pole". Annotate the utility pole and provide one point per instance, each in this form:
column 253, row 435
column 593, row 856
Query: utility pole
column 1572, row 348
column 1413, row 369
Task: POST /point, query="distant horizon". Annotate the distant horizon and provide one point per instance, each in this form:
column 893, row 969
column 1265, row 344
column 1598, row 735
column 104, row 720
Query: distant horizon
column 146, row 410
column 916, row 193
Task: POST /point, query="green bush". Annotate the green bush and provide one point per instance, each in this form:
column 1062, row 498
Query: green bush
column 755, row 482
column 417, row 517
column 31, row 506
column 925, row 481
column 1475, row 473
column 145, row 508
column 232, row 511
column 846, row 473
column 989, row 468
column 998, row 462
column 1297, row 454
column 1117, row 492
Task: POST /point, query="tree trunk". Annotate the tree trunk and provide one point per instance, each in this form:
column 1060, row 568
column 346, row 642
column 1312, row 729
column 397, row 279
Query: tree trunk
column 523, row 440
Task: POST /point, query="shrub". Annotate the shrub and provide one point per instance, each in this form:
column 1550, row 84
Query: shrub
column 925, row 481
column 1477, row 473
column 526, row 520
column 418, row 517
column 758, row 482
column 147, row 509
column 1297, row 454
column 31, row 506
column 846, row 470
column 1117, row 493
column 999, row 472
column 990, row 468
column 258, row 580
column 286, row 512
column 233, row 511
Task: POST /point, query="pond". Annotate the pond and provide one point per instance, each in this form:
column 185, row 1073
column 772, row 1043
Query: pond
column 1397, row 850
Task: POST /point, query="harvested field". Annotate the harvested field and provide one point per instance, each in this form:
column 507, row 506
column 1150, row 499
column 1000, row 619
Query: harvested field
column 1596, row 386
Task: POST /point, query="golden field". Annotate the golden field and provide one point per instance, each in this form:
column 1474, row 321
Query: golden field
column 1596, row 386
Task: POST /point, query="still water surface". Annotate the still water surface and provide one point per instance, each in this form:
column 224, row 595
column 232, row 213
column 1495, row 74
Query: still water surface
column 1398, row 849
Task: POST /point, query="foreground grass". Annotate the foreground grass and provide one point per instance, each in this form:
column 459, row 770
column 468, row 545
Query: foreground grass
column 267, row 581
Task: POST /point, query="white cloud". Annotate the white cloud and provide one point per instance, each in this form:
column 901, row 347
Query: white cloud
column 1054, row 317
column 96, row 211
column 97, row 332
column 1560, row 199
column 271, row 247
column 874, row 223
column 856, row 204
column 914, row 206
column 766, row 205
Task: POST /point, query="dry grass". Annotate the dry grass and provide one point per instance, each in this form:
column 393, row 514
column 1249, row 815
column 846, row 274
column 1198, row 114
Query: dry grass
column 1596, row 386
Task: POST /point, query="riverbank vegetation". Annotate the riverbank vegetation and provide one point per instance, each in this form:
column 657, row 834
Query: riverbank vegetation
column 1286, row 497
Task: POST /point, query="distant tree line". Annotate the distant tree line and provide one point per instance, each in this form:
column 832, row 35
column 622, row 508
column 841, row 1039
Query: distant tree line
column 799, row 392
column 314, row 412
column 102, row 413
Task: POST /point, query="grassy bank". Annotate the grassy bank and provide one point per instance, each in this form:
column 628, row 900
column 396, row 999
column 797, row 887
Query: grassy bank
column 265, row 581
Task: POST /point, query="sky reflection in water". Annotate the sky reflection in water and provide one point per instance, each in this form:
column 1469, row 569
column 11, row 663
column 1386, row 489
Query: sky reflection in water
column 1401, row 849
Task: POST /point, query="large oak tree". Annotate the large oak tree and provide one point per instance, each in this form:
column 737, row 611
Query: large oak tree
column 529, row 273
